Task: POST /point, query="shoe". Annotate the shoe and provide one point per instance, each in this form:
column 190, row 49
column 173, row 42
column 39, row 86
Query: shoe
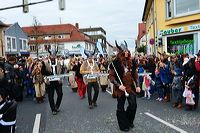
column 158, row 99
column 57, row 110
column 125, row 130
column 95, row 104
column 54, row 113
column 175, row 105
column 90, row 107
column 179, row 106
column 132, row 126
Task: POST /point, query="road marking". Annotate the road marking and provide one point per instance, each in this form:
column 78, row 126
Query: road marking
column 166, row 123
column 109, row 92
column 36, row 127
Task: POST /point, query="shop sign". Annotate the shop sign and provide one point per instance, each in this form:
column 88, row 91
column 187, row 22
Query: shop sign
column 172, row 31
column 194, row 27
column 178, row 42
column 77, row 46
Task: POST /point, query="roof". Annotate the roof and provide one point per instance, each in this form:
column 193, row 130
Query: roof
column 75, row 34
column 3, row 24
column 141, row 30
column 148, row 3
column 49, row 29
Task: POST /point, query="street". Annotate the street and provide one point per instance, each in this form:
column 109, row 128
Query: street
column 75, row 116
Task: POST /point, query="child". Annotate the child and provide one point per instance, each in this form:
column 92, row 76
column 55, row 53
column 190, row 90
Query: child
column 146, row 85
column 159, row 85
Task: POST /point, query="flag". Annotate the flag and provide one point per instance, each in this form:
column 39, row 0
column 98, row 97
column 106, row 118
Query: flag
column 82, row 52
column 98, row 44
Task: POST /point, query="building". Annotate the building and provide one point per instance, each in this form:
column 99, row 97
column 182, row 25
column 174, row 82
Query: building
column 97, row 34
column 16, row 41
column 66, row 37
column 172, row 26
column 2, row 38
column 141, row 38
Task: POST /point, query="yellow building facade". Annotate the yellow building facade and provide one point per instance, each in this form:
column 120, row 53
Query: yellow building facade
column 172, row 26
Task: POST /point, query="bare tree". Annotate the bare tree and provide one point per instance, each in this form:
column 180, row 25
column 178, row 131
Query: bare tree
column 36, row 33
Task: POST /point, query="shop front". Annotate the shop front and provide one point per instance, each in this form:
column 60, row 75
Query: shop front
column 181, row 44
column 181, row 40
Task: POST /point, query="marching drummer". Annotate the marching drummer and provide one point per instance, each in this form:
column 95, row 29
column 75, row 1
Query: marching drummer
column 53, row 67
column 90, row 68
column 103, row 66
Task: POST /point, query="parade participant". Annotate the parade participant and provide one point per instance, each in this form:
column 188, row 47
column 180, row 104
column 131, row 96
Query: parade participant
column 28, row 80
column 79, row 78
column 124, row 76
column 103, row 66
column 72, row 72
column 90, row 67
column 52, row 67
column 39, row 84
column 7, row 107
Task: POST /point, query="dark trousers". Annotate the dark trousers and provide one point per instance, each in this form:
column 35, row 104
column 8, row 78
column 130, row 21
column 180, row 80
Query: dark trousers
column 167, row 91
column 7, row 129
column 54, row 86
column 126, row 117
column 91, row 85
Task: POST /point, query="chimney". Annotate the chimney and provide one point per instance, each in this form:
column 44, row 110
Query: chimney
column 77, row 25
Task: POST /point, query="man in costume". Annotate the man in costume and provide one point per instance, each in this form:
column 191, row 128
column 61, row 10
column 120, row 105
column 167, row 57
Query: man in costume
column 89, row 68
column 123, row 74
column 52, row 67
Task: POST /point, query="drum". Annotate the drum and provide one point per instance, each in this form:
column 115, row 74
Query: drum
column 72, row 81
column 103, row 79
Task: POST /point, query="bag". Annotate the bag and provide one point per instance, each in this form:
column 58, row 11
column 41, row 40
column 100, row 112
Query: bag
column 190, row 101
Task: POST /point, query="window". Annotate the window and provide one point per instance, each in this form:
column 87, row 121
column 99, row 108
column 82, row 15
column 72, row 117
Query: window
column 169, row 8
column 186, row 6
column 11, row 43
column 23, row 44
column 20, row 44
column 33, row 48
column 14, row 43
column 8, row 43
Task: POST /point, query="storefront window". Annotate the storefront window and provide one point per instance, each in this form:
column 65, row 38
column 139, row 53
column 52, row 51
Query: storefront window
column 180, row 44
column 186, row 6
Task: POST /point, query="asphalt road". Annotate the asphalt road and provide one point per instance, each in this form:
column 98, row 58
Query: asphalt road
column 75, row 116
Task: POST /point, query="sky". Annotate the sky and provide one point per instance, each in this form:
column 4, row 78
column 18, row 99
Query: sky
column 119, row 18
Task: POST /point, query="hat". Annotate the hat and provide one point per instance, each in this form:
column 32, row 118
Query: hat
column 122, row 47
column 185, row 61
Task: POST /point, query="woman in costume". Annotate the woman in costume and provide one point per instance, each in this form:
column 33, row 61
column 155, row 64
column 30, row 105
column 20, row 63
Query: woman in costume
column 123, row 74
